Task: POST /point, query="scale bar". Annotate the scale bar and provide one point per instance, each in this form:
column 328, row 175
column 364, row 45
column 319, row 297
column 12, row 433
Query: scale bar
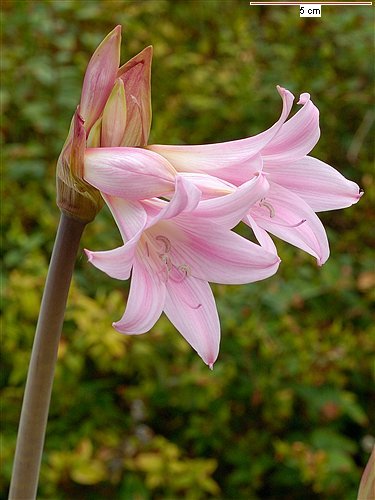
column 311, row 3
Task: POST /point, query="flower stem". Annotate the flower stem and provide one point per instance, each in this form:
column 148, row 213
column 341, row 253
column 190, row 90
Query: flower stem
column 34, row 413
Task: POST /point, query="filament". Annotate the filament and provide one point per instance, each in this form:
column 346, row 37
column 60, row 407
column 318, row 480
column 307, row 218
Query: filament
column 268, row 205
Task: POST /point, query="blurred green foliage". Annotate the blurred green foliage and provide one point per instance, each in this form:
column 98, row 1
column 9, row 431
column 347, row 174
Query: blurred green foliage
column 287, row 411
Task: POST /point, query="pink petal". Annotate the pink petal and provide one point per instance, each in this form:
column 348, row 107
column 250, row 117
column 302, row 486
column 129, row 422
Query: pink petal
column 185, row 199
column 214, row 254
column 297, row 136
column 287, row 216
column 190, row 306
column 261, row 235
column 116, row 263
column 145, row 303
column 130, row 173
column 100, row 77
column 208, row 185
column 131, row 219
column 320, row 185
column 136, row 75
column 228, row 210
column 234, row 161
column 130, row 216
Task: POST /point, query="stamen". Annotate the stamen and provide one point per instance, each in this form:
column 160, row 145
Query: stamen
column 147, row 249
column 164, row 273
column 186, row 269
column 299, row 223
column 191, row 306
column 166, row 242
column 167, row 261
column 291, row 225
column 196, row 307
column 263, row 203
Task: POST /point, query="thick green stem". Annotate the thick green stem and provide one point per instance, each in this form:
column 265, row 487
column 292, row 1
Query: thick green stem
column 34, row 413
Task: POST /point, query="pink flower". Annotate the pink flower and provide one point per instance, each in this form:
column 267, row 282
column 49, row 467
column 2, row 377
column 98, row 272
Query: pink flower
column 300, row 185
column 173, row 249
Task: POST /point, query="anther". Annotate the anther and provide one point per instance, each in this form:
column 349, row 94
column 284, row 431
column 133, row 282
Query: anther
column 263, row 203
column 302, row 221
column 185, row 268
column 166, row 242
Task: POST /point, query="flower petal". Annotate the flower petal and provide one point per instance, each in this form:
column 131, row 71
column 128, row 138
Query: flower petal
column 130, row 216
column 129, row 173
column 190, row 306
column 261, row 235
column 319, row 184
column 289, row 217
column 228, row 210
column 145, row 303
column 185, row 199
column 296, row 137
column 136, row 75
column 131, row 219
column 234, row 161
column 208, row 185
column 116, row 263
column 100, row 77
column 214, row 254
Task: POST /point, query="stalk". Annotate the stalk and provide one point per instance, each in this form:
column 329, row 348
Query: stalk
column 34, row 413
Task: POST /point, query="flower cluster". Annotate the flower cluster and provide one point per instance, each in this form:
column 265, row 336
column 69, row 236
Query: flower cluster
column 176, row 206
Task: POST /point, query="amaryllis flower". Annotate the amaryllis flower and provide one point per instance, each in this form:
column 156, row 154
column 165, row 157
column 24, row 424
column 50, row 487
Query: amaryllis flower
column 173, row 249
column 300, row 185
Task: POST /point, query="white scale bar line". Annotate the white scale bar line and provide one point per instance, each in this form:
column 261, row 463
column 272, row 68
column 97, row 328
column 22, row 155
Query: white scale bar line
column 311, row 3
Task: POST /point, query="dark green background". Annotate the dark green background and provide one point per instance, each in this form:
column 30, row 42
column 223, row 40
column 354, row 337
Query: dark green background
column 286, row 413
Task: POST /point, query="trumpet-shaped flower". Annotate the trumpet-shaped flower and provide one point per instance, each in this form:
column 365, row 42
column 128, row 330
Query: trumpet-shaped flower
column 300, row 185
column 173, row 249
